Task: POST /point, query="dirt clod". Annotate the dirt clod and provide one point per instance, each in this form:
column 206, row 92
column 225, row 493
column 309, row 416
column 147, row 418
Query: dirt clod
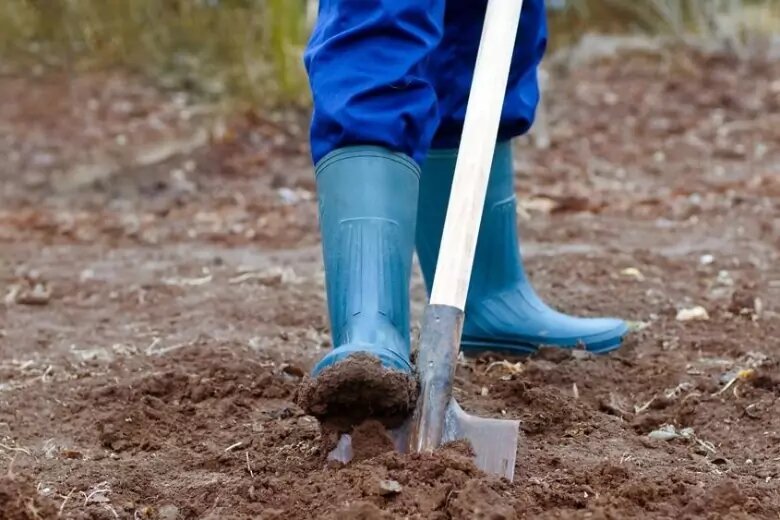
column 370, row 439
column 478, row 501
column 357, row 389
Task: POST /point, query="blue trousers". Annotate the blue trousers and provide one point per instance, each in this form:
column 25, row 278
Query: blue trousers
column 397, row 73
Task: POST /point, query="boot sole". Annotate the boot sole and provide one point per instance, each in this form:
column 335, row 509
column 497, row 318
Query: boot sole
column 472, row 346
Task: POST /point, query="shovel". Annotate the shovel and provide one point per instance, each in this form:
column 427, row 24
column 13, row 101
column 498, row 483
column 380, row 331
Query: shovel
column 438, row 418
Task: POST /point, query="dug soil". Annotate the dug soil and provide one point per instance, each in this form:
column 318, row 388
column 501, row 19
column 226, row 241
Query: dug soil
column 164, row 299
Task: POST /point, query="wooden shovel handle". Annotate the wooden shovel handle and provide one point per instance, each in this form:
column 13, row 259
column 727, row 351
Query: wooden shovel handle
column 478, row 142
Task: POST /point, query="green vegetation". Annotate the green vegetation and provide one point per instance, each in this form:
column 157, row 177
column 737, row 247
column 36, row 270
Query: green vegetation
column 250, row 49
column 244, row 48
column 712, row 19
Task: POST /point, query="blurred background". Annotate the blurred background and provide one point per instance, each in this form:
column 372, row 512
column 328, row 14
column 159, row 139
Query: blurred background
column 250, row 49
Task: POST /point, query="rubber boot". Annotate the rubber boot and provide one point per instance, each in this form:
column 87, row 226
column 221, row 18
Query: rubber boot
column 503, row 312
column 368, row 205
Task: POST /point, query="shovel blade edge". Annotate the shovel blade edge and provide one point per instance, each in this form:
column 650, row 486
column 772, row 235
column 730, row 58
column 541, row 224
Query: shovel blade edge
column 494, row 441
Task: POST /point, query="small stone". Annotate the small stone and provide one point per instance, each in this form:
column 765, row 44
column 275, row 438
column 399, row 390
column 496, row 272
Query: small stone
column 724, row 279
column 697, row 313
column 668, row 432
column 38, row 294
column 288, row 196
column 633, row 272
column 389, row 487
column 664, row 433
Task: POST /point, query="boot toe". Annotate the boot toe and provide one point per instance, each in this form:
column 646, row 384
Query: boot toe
column 524, row 330
column 597, row 335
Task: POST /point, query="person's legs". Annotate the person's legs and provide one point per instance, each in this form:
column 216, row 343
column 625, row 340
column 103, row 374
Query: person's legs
column 451, row 69
column 375, row 114
column 503, row 312
column 366, row 61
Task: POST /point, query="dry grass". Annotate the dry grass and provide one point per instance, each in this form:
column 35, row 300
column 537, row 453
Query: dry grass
column 250, row 49
column 709, row 19
column 245, row 48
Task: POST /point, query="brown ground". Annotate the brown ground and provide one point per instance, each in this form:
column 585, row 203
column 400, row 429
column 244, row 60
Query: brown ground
column 164, row 296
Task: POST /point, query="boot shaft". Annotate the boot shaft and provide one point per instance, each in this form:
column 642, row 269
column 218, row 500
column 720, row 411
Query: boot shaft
column 497, row 258
column 367, row 207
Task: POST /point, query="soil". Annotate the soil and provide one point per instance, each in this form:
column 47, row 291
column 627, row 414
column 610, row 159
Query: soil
column 20, row 500
column 164, row 299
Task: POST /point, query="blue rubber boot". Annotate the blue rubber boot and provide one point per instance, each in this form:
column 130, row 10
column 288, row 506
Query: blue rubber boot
column 503, row 312
column 368, row 205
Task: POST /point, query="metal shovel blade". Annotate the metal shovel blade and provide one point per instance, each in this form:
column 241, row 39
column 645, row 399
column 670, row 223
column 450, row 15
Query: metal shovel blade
column 494, row 441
